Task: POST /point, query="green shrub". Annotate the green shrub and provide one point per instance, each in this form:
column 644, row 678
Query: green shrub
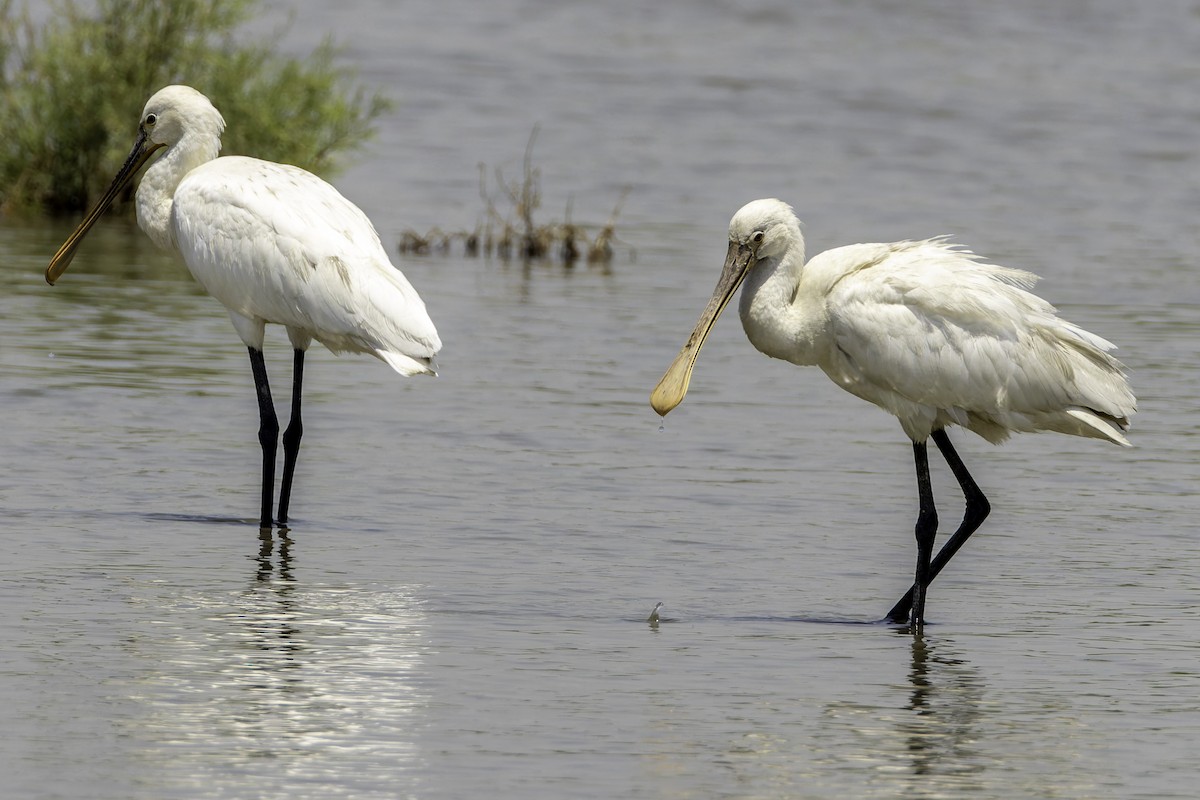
column 71, row 91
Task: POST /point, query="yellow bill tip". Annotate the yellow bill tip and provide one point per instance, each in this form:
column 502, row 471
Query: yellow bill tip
column 673, row 387
column 664, row 400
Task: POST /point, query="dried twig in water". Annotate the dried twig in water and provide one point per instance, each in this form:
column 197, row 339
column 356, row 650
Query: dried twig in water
column 526, row 240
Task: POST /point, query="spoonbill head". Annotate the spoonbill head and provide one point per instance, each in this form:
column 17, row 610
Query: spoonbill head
column 274, row 244
column 926, row 331
column 762, row 229
column 143, row 148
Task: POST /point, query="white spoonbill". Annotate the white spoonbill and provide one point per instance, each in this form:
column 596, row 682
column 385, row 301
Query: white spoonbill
column 273, row 243
column 925, row 331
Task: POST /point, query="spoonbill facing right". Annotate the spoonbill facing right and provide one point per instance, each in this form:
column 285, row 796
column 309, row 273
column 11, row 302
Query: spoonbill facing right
column 927, row 332
column 273, row 243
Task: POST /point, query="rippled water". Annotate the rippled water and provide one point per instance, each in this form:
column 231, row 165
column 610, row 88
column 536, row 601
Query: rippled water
column 459, row 610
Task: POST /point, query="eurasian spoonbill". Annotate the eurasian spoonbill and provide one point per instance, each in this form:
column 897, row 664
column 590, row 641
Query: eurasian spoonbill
column 927, row 332
column 273, row 243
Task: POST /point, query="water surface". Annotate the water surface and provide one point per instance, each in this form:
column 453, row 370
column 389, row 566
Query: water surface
column 459, row 609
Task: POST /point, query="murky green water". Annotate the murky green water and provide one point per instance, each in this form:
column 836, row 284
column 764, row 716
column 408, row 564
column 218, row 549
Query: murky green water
column 459, row 610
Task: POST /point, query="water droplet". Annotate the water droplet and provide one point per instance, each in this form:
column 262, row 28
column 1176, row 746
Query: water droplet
column 662, row 426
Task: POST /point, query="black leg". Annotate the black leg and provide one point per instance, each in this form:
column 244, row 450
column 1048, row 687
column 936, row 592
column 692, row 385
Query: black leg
column 976, row 512
column 291, row 437
column 268, row 433
column 926, row 530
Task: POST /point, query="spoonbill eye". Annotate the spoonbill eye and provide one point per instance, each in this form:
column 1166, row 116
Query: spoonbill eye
column 151, row 119
column 757, row 237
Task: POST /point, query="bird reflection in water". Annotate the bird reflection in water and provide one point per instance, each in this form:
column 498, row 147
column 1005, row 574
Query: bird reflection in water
column 270, row 626
column 945, row 702
column 287, row 675
column 266, row 549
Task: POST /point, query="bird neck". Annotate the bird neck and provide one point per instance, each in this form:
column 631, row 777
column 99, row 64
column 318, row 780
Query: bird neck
column 776, row 313
column 156, row 192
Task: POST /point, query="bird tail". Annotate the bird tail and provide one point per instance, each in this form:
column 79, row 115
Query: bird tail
column 407, row 365
column 1101, row 426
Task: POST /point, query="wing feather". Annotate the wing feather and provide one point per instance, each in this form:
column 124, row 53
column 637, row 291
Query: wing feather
column 935, row 336
column 277, row 244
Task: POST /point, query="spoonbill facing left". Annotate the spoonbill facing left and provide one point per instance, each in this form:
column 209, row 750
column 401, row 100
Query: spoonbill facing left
column 273, row 243
column 927, row 332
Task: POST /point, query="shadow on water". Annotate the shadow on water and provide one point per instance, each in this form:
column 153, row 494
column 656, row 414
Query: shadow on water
column 202, row 519
column 774, row 619
column 870, row 623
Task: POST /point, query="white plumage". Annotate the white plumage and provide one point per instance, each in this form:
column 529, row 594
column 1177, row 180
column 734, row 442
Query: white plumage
column 274, row 244
column 926, row 331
